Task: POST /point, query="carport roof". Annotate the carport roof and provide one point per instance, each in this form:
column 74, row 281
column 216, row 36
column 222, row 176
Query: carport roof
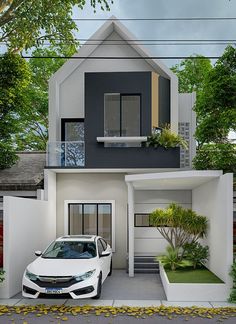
column 181, row 180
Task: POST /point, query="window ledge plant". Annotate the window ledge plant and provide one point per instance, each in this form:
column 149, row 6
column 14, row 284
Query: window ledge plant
column 166, row 138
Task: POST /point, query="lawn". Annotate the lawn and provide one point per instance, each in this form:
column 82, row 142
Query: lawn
column 188, row 275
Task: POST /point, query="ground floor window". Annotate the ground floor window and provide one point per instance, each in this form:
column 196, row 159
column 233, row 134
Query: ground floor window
column 92, row 219
column 141, row 220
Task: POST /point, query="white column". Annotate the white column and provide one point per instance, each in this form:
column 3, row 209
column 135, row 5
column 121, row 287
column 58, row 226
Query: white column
column 131, row 228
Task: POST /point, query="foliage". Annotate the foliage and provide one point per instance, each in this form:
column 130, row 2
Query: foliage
column 216, row 156
column 216, row 104
column 232, row 297
column 179, row 225
column 28, row 23
column 80, row 313
column 196, row 253
column 172, row 260
column 34, row 117
column 14, row 79
column 192, row 72
column 2, row 275
column 167, row 139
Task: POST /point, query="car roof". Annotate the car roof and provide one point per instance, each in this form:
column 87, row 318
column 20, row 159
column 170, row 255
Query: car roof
column 87, row 238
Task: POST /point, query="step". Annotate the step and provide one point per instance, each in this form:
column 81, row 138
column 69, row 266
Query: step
column 146, row 265
column 144, row 259
column 143, row 270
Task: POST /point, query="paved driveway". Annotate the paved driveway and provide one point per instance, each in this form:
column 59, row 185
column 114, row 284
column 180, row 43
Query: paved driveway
column 119, row 286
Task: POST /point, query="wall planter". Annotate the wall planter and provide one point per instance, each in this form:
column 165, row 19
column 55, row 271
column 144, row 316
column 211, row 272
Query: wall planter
column 193, row 291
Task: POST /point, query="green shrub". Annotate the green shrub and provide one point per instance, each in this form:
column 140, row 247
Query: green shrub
column 196, row 253
column 2, row 275
column 167, row 139
column 232, row 297
column 172, row 260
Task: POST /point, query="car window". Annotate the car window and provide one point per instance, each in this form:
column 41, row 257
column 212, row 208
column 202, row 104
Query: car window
column 100, row 247
column 104, row 244
column 70, row 250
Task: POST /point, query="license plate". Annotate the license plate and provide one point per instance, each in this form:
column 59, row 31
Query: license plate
column 53, row 291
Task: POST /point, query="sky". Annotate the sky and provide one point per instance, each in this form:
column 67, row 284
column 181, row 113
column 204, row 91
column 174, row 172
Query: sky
column 196, row 30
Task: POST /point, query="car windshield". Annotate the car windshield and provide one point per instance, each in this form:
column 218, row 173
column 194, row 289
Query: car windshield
column 70, row 250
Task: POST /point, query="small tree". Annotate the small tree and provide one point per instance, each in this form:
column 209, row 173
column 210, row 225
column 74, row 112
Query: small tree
column 179, row 225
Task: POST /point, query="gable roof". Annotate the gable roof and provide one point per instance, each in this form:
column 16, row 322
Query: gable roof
column 110, row 26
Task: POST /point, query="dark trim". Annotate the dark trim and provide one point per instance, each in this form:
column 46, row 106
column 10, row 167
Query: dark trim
column 136, row 214
column 68, row 120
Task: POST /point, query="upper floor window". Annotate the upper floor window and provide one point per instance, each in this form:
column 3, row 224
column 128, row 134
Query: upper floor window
column 72, row 130
column 122, row 114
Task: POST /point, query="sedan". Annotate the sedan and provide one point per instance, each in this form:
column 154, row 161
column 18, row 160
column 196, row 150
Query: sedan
column 71, row 266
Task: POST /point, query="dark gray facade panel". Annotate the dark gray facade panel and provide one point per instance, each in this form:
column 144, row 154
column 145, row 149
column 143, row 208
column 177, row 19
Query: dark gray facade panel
column 164, row 101
column 98, row 156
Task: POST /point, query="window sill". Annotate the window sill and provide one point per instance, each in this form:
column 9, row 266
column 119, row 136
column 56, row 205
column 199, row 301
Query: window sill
column 122, row 139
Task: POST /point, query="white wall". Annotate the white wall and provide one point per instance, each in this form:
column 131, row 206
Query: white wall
column 147, row 240
column 97, row 187
column 215, row 201
column 27, row 227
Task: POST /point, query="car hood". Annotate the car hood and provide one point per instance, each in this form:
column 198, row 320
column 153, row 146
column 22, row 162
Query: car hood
column 61, row 267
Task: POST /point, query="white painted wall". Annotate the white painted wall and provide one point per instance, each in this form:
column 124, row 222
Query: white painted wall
column 97, row 187
column 148, row 240
column 27, row 227
column 66, row 91
column 215, row 200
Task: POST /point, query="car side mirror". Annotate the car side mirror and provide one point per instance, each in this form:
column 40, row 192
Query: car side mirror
column 104, row 254
column 38, row 253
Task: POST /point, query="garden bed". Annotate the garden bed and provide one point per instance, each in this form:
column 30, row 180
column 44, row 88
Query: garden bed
column 189, row 275
column 194, row 291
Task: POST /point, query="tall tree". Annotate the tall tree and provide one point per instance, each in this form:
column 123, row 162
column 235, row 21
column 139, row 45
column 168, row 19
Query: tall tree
column 216, row 104
column 14, row 79
column 27, row 23
column 34, row 116
column 191, row 73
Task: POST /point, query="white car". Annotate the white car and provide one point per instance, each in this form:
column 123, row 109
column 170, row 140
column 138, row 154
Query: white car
column 72, row 266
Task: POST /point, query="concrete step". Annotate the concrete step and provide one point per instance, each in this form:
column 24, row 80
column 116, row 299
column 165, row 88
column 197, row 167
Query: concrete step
column 147, row 265
column 147, row 259
column 144, row 270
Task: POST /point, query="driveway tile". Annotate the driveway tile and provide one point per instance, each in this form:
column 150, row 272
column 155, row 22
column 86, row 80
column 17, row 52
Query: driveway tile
column 137, row 303
column 34, row 302
column 186, row 304
column 9, row 302
column 82, row 302
column 222, row 304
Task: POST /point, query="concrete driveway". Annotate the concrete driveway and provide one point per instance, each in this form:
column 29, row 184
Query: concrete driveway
column 121, row 287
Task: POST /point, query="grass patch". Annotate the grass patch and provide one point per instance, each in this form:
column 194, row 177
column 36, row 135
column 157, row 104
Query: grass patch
column 189, row 275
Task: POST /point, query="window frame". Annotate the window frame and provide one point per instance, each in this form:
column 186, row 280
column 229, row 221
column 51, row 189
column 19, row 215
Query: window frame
column 142, row 214
column 113, row 216
column 120, row 123
column 68, row 120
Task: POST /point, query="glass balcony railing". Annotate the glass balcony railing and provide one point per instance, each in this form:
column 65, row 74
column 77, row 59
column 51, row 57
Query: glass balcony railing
column 66, row 154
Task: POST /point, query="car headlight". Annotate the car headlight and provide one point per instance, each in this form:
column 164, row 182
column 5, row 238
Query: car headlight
column 31, row 276
column 85, row 275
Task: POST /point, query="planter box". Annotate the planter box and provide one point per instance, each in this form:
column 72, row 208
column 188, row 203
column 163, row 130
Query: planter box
column 193, row 291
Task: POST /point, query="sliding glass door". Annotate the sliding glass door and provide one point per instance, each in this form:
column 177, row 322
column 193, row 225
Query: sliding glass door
column 91, row 219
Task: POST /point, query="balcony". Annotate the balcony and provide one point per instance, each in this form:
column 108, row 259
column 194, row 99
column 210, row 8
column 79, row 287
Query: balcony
column 66, row 154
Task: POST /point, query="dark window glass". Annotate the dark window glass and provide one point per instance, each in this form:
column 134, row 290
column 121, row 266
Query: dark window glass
column 91, row 219
column 100, row 247
column 130, row 112
column 112, row 115
column 141, row 220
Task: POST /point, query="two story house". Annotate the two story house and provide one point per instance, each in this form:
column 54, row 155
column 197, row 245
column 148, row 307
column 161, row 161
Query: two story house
column 100, row 176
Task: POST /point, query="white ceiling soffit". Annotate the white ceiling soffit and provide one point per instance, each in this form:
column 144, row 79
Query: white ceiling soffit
column 101, row 34
column 181, row 180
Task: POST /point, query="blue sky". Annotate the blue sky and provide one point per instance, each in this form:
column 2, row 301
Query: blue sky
column 169, row 29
